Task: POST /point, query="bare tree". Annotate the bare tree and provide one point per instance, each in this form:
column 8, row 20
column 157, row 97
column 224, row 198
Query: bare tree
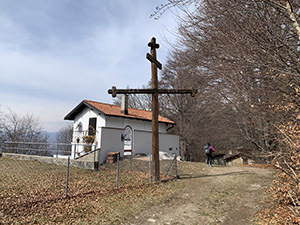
column 25, row 128
column 137, row 101
column 63, row 138
column 247, row 54
column 245, row 65
column 205, row 118
column 65, row 135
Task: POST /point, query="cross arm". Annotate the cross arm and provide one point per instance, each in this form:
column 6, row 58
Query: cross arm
column 114, row 91
column 152, row 59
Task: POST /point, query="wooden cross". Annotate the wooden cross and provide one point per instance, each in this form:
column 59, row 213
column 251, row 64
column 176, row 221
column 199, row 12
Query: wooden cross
column 154, row 91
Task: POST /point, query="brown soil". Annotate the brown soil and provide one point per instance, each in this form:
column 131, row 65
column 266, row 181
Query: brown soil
column 218, row 195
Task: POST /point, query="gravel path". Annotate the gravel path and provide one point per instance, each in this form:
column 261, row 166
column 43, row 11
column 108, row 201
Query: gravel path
column 218, row 195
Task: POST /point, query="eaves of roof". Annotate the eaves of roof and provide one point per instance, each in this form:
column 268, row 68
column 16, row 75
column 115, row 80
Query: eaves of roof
column 114, row 111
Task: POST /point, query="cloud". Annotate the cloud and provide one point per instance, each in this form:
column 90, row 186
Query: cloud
column 55, row 53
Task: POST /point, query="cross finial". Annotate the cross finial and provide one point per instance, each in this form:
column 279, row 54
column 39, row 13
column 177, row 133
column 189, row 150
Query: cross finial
column 153, row 44
column 152, row 57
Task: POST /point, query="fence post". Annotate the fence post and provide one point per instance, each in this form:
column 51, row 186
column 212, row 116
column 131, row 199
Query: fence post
column 172, row 165
column 56, row 150
column 67, row 182
column 176, row 177
column 150, row 178
column 117, row 178
column 131, row 162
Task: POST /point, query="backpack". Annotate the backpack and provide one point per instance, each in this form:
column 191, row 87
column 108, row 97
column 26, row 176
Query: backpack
column 207, row 149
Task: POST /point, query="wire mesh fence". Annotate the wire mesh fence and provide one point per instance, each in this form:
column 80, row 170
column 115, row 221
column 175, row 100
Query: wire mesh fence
column 30, row 183
column 37, row 148
column 143, row 164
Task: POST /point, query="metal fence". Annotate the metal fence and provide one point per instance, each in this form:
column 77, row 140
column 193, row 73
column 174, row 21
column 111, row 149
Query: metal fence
column 44, row 173
column 37, row 148
column 143, row 164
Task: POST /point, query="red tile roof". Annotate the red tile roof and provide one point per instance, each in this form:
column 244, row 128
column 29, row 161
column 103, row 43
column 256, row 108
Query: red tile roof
column 114, row 110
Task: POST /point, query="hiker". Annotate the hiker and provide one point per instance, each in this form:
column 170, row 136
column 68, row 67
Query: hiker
column 208, row 152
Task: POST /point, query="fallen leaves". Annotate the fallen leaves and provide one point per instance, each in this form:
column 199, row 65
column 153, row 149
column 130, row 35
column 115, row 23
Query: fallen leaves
column 34, row 192
column 285, row 191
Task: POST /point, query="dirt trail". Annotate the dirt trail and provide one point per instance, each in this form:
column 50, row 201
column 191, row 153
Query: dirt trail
column 218, row 195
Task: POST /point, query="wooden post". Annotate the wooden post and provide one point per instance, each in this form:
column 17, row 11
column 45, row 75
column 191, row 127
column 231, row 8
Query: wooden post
column 155, row 140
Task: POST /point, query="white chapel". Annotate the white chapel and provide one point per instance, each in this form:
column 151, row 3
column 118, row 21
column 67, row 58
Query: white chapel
column 108, row 128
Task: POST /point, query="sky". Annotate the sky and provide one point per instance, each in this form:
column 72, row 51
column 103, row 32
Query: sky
column 54, row 54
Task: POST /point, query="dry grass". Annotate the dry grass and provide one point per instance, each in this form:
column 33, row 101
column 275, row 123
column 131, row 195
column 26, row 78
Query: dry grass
column 34, row 192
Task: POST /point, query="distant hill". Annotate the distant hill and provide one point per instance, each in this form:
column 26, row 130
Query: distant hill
column 52, row 136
